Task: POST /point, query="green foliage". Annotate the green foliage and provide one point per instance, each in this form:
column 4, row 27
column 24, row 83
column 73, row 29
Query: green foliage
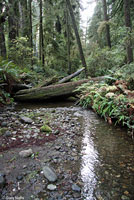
column 100, row 61
column 20, row 52
column 112, row 107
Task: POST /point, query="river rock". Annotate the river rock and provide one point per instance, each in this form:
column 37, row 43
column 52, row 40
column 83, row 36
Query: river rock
column 76, row 188
column 26, row 120
column 26, row 153
column 7, row 134
column 51, row 187
column 49, row 174
column 4, row 124
column 2, row 181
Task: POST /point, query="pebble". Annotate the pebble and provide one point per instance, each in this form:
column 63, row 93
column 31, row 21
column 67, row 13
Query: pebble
column 26, row 153
column 76, row 188
column 4, row 124
column 49, row 174
column 51, row 187
column 26, row 120
column 7, row 134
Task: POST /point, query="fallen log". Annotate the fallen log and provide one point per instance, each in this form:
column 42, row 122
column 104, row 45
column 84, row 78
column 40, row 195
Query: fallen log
column 53, row 91
column 67, row 78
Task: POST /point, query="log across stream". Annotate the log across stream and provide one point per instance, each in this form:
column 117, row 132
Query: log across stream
column 52, row 91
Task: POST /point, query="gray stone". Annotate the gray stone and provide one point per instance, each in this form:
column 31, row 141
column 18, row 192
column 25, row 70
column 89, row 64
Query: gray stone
column 4, row 124
column 2, row 181
column 56, row 132
column 26, row 153
column 49, row 174
column 26, row 120
column 7, row 134
column 51, row 187
column 76, row 188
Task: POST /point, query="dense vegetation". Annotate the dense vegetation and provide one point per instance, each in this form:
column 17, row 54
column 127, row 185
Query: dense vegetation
column 40, row 39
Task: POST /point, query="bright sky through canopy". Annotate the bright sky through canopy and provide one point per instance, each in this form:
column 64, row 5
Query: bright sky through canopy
column 87, row 11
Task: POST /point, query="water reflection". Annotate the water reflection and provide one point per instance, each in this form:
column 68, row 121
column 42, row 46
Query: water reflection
column 89, row 161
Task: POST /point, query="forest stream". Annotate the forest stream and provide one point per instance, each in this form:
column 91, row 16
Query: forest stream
column 81, row 157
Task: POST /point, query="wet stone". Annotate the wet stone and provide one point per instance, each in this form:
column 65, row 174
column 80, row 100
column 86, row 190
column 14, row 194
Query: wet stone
column 49, row 174
column 26, row 120
column 19, row 178
column 51, row 187
column 4, row 124
column 76, row 188
column 7, row 134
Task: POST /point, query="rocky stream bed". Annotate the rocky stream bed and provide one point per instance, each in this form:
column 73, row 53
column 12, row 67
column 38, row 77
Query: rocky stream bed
column 80, row 157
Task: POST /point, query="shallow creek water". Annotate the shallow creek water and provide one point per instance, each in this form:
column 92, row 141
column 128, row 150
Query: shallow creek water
column 105, row 161
column 106, row 158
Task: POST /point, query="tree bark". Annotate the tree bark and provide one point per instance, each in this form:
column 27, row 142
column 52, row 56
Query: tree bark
column 107, row 26
column 77, row 36
column 41, row 39
column 30, row 29
column 24, row 18
column 68, row 40
column 12, row 21
column 128, row 26
column 2, row 35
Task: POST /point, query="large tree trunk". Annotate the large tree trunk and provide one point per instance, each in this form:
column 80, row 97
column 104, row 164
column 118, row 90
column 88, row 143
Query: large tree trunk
column 128, row 25
column 77, row 36
column 13, row 21
column 107, row 26
column 24, row 25
column 53, row 91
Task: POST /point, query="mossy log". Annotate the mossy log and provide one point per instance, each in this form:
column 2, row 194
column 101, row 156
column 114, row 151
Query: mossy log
column 53, row 91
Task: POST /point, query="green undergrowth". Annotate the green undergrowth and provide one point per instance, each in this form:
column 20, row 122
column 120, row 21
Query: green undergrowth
column 115, row 103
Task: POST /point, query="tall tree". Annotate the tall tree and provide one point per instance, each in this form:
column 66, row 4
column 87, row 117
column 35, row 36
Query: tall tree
column 24, row 15
column 2, row 36
column 41, row 39
column 68, row 40
column 107, row 25
column 128, row 26
column 77, row 36
column 13, row 20
column 30, row 29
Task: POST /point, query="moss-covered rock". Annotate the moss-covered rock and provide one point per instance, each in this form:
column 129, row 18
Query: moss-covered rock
column 46, row 128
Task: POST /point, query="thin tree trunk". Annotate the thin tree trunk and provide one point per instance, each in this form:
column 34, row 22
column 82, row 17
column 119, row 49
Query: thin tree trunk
column 2, row 41
column 30, row 29
column 128, row 25
column 107, row 26
column 2, row 36
column 77, row 36
column 41, row 41
column 68, row 40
